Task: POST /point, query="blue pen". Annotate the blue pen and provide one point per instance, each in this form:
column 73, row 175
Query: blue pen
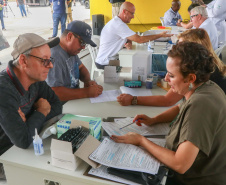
column 129, row 124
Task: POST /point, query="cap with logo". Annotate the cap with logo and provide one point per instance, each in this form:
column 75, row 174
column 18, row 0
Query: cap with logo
column 83, row 30
column 30, row 40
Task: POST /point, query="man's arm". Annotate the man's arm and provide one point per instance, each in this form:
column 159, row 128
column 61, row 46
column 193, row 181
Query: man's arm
column 143, row 39
column 84, row 74
column 21, row 129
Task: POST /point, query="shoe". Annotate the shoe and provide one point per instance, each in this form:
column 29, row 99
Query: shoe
column 4, row 29
column 51, row 37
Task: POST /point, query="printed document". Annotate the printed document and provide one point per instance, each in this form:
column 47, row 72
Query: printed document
column 112, row 95
column 125, row 156
column 106, row 96
column 113, row 128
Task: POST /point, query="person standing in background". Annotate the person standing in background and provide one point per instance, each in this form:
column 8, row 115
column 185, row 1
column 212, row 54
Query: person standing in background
column 21, row 4
column 116, row 6
column 1, row 14
column 59, row 15
column 69, row 12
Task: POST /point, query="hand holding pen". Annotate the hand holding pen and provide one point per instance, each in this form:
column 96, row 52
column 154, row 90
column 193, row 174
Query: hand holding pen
column 142, row 118
column 136, row 121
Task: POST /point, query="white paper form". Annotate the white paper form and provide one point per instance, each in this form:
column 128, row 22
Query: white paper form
column 113, row 128
column 102, row 172
column 124, row 156
column 136, row 91
column 106, row 96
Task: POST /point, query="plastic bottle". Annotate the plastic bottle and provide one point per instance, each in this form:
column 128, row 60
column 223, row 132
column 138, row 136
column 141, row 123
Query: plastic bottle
column 150, row 46
column 49, row 131
column 38, row 146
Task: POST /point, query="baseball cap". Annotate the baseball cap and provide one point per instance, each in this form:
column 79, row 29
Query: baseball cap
column 83, row 30
column 28, row 41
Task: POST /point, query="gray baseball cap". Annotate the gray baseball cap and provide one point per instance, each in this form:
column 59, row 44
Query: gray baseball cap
column 28, row 41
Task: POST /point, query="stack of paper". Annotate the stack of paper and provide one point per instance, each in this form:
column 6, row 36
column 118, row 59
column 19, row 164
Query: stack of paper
column 123, row 156
column 112, row 95
column 113, row 128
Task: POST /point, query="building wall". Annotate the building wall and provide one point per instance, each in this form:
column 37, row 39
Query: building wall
column 147, row 12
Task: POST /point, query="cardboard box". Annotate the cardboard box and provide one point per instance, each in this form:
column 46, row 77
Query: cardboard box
column 94, row 124
column 110, row 74
column 62, row 155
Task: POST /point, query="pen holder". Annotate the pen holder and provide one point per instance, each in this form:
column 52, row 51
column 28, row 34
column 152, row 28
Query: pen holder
column 148, row 83
column 154, row 76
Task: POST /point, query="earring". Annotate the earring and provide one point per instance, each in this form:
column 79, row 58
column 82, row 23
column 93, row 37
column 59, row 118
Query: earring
column 190, row 86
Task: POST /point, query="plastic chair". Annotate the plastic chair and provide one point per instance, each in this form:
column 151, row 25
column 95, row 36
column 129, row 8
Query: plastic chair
column 219, row 50
column 93, row 52
column 162, row 20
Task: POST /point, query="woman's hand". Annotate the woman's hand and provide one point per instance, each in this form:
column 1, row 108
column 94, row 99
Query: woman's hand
column 142, row 118
column 129, row 138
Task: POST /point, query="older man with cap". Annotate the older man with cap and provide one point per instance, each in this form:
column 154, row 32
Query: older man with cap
column 68, row 69
column 26, row 101
column 172, row 15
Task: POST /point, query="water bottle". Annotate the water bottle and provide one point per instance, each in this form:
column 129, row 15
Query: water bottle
column 150, row 46
column 38, row 146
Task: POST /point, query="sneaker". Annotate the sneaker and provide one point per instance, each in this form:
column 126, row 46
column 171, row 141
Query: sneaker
column 4, row 29
column 50, row 37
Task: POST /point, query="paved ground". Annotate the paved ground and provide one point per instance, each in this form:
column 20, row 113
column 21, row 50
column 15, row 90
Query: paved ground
column 39, row 21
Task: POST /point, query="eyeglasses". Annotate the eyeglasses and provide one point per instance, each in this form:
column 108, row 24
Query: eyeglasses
column 130, row 12
column 45, row 62
column 194, row 15
column 82, row 42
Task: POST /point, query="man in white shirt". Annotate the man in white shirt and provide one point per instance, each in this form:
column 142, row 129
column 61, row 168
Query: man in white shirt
column 200, row 19
column 217, row 12
column 172, row 15
column 117, row 34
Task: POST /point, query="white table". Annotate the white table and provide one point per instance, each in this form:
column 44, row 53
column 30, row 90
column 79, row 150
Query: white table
column 22, row 167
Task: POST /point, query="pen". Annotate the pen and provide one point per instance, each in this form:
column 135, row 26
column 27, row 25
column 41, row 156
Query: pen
column 127, row 125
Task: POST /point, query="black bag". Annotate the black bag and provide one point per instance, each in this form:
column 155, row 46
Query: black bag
column 139, row 177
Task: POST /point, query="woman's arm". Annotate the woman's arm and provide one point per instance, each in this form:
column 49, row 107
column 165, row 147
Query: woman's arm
column 165, row 117
column 163, row 101
column 180, row 161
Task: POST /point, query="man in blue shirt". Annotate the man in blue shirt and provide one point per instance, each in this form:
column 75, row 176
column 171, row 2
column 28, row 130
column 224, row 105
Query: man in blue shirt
column 59, row 14
column 172, row 16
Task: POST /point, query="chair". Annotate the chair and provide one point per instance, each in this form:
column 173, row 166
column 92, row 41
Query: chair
column 93, row 52
column 162, row 20
column 219, row 50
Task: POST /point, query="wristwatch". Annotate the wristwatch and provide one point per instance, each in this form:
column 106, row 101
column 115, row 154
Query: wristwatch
column 134, row 100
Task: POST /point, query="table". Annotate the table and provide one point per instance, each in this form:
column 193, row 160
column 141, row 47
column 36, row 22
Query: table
column 24, row 168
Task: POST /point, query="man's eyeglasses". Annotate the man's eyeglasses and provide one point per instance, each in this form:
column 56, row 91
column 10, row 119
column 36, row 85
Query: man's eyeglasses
column 44, row 61
column 194, row 15
column 82, row 42
column 130, row 12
